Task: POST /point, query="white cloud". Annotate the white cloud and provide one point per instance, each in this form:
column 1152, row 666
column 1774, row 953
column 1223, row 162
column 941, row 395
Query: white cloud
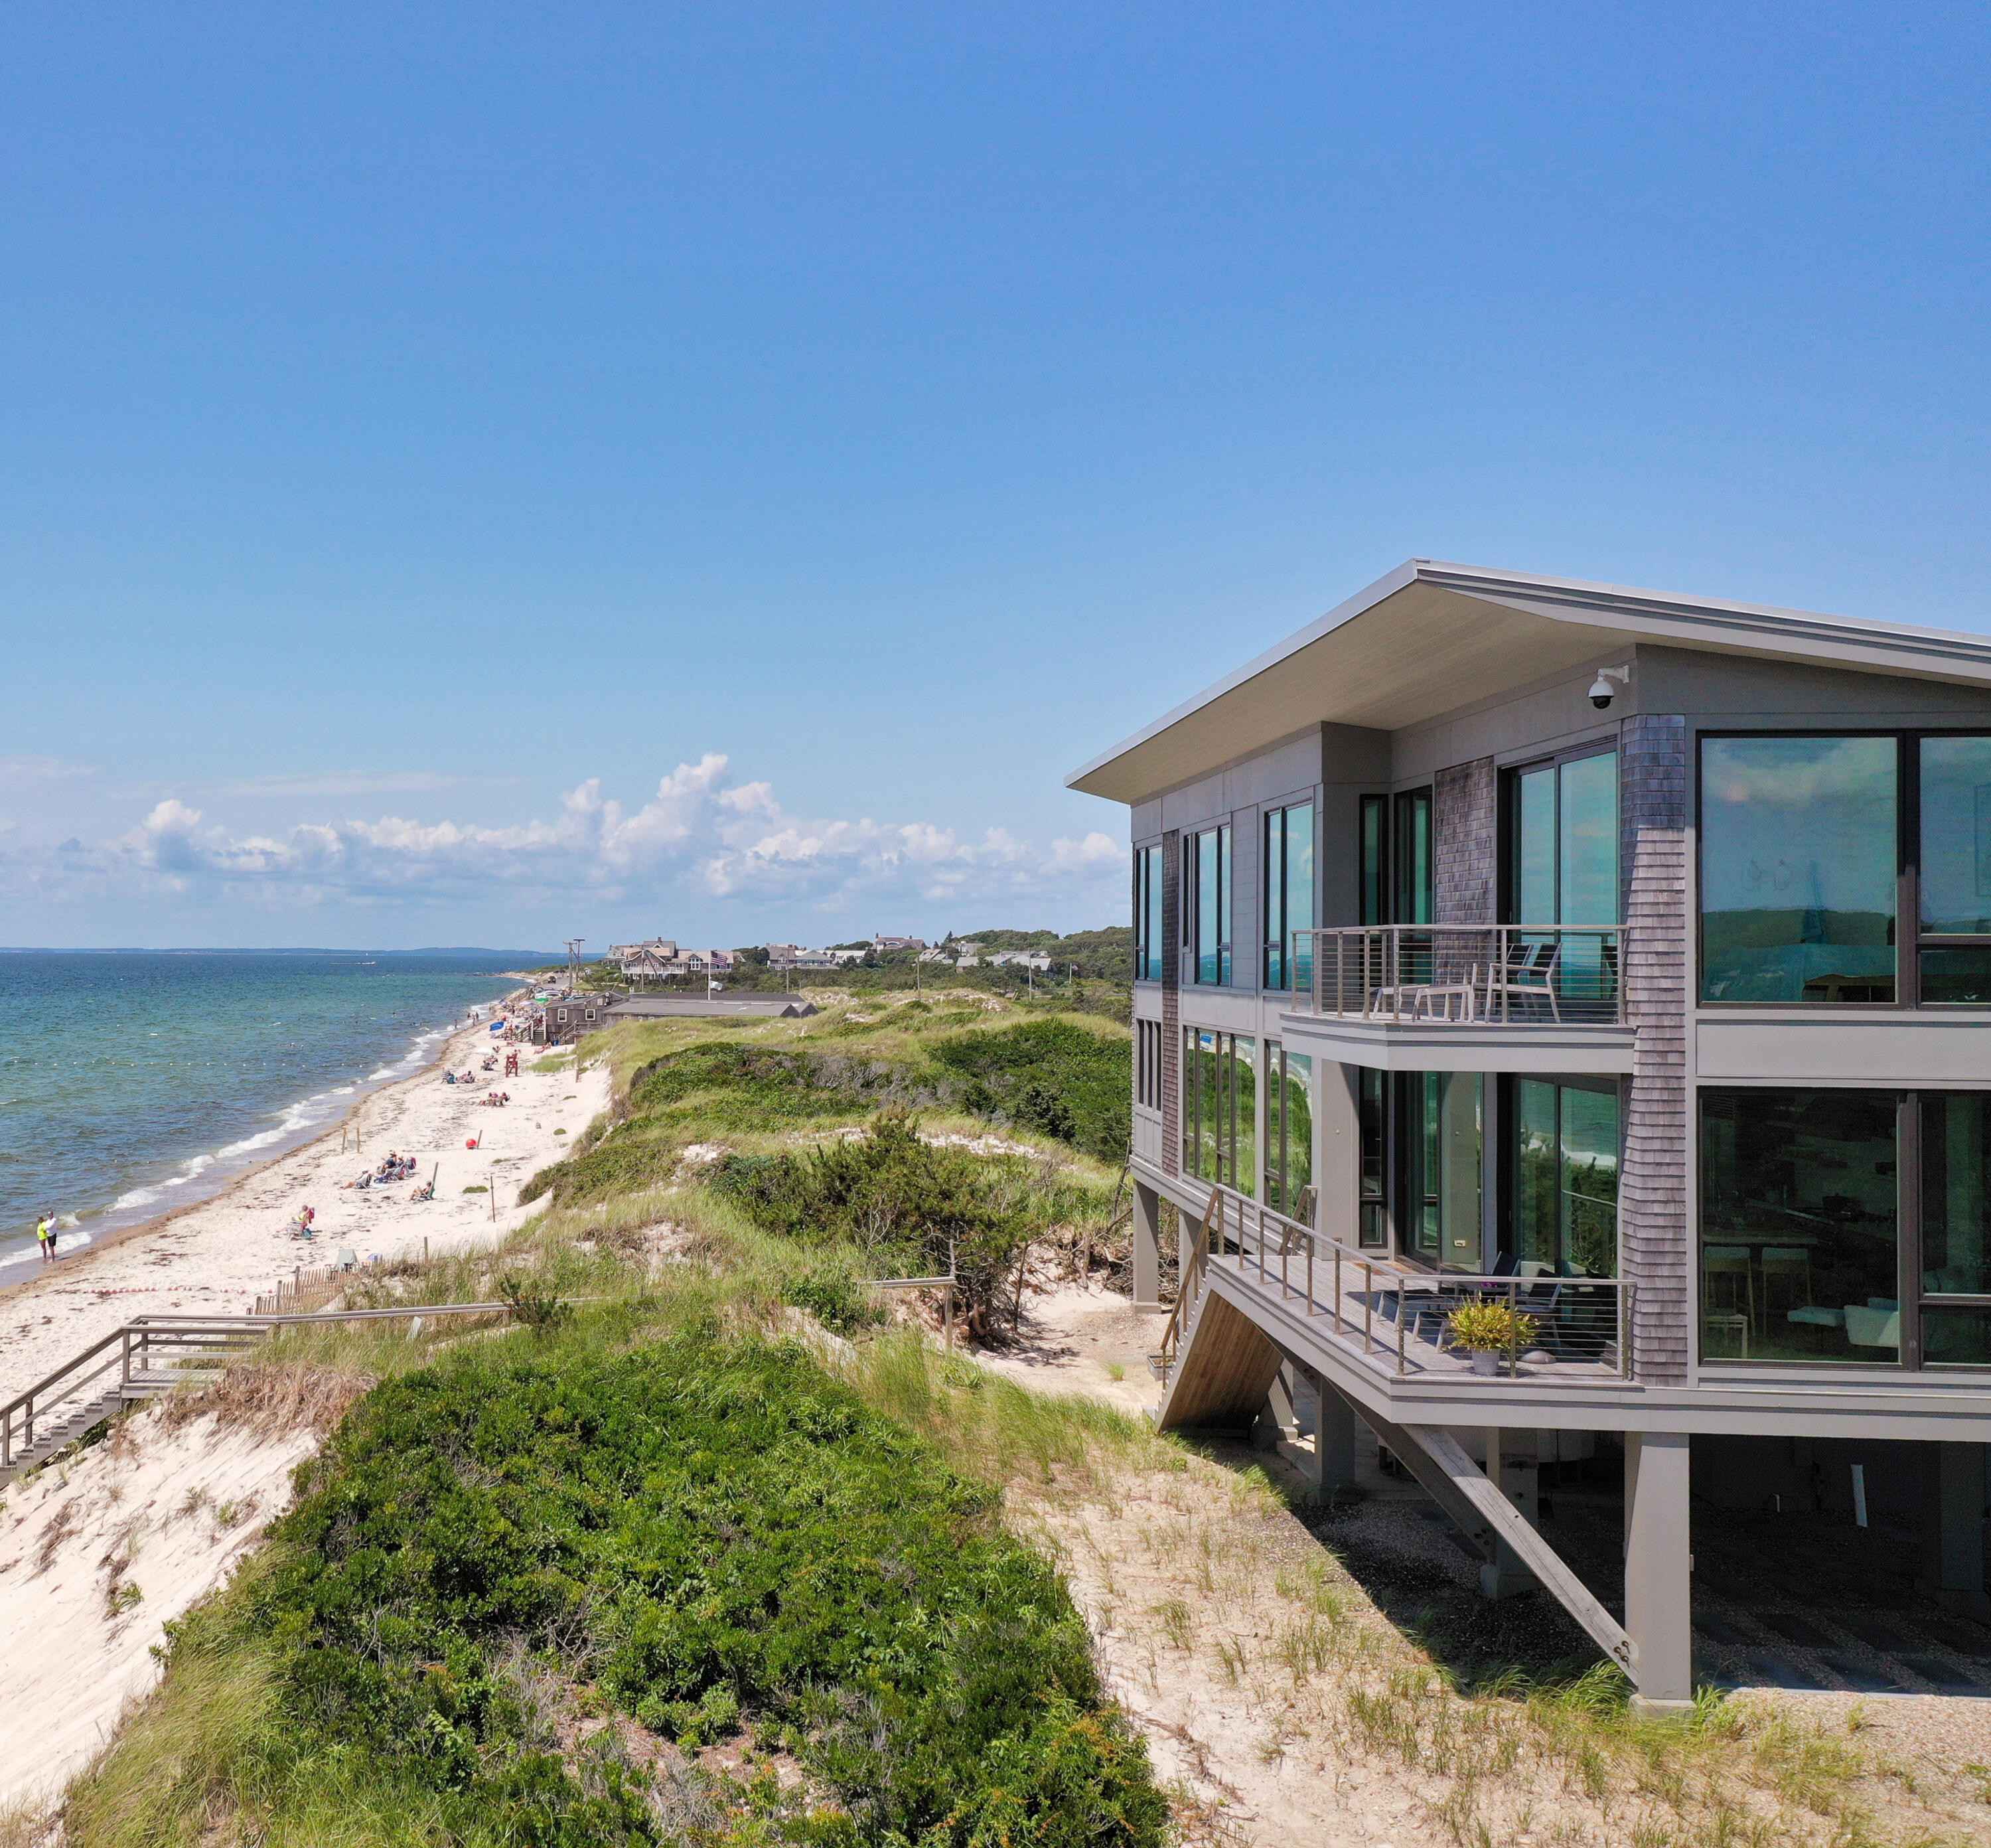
column 700, row 830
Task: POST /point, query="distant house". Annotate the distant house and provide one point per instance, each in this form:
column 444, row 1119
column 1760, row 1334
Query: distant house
column 564, row 1019
column 669, row 1007
column 897, row 943
column 1039, row 960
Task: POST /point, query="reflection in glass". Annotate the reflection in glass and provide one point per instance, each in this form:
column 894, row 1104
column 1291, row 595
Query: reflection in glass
column 1148, row 914
column 1442, row 1141
column 1212, row 906
column 1959, row 977
column 1289, row 863
column 1956, row 1155
column 1588, row 847
column 1373, row 1223
column 1288, row 1131
column 1799, row 1231
column 1375, row 860
column 1956, row 1336
column 1219, row 1109
column 1797, row 869
column 1413, row 858
column 1955, row 801
column 1566, row 1178
column 1535, row 847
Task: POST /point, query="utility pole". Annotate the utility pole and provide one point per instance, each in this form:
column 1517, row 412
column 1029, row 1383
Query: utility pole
column 574, row 961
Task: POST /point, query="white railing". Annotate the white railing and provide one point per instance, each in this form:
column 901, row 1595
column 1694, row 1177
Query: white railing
column 1396, row 1316
column 1541, row 975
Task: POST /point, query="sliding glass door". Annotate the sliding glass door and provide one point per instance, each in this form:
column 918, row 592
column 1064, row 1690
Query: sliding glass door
column 1563, row 1157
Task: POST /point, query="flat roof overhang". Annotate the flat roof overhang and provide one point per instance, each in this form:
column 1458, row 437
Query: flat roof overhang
column 1430, row 638
column 1467, row 1046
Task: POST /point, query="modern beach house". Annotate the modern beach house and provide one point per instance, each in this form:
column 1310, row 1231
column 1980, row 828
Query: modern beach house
column 1609, row 969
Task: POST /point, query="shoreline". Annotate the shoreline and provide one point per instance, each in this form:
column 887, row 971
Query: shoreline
column 101, row 1244
column 215, row 1255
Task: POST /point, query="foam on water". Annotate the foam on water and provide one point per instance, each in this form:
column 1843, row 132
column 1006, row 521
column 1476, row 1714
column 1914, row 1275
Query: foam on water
column 151, row 1080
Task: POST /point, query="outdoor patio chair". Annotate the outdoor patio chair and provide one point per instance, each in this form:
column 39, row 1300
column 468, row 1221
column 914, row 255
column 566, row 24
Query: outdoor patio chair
column 1729, row 1265
column 1526, row 974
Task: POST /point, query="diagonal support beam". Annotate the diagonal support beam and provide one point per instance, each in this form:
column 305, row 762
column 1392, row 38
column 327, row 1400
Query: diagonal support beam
column 1408, row 1448
column 1502, row 1517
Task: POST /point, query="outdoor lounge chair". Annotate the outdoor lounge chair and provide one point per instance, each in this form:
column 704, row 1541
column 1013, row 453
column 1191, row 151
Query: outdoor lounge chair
column 1526, row 974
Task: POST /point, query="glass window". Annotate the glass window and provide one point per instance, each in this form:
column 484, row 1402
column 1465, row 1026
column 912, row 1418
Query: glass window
column 1956, row 1157
column 1147, row 944
column 1800, row 1230
column 1289, row 1132
column 1565, row 1209
column 1373, row 1214
column 1797, row 867
column 1289, row 863
column 1955, row 801
column 1563, row 819
column 1219, row 1109
column 1412, row 855
column 1958, row 977
column 1210, row 905
column 1442, row 1145
column 1955, row 1336
column 1375, row 860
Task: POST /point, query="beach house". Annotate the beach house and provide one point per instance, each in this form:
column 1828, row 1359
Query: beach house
column 1563, row 1030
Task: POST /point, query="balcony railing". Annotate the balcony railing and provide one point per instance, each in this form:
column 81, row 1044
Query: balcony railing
column 1535, row 974
column 1397, row 1320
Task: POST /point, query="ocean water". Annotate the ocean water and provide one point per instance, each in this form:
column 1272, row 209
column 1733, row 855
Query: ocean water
column 132, row 1082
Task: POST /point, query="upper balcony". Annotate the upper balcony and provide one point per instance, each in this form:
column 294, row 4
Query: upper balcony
column 1500, row 997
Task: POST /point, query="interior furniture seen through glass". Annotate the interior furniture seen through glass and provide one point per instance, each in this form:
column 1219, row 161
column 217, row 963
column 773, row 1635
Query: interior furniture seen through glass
column 1798, row 869
column 1800, row 1229
column 1219, row 1105
column 1565, row 1169
column 1289, row 1133
column 1289, row 864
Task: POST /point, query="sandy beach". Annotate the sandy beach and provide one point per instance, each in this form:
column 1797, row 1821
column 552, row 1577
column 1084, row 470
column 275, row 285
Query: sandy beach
column 216, row 1257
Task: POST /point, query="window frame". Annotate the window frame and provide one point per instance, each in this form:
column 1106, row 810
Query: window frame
column 1380, row 874
column 1224, row 907
column 1149, row 872
column 1508, row 834
column 1275, row 943
column 1910, row 939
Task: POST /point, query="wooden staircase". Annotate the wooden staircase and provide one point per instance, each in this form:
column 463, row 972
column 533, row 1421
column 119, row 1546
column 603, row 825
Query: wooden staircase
column 151, row 1356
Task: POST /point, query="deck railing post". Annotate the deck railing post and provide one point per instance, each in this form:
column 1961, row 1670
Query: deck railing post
column 1368, row 1306
column 1400, row 1330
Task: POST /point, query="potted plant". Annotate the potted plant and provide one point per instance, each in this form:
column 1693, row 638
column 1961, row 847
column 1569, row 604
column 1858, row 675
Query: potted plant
column 1487, row 1330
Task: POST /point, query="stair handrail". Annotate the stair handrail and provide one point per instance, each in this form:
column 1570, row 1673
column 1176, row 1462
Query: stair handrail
column 135, row 1339
column 1189, row 1286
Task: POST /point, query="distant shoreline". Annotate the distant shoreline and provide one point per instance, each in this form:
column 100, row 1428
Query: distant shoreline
column 448, row 1041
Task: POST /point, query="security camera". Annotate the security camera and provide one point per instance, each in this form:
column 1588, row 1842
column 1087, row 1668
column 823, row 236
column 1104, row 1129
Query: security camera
column 1601, row 692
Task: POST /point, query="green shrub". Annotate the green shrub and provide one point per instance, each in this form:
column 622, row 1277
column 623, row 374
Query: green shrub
column 700, row 1534
column 1053, row 1076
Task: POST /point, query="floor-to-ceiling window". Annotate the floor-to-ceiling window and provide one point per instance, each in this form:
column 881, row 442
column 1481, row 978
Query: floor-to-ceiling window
column 1395, row 872
column 1800, row 1225
column 1562, row 865
column 1148, row 945
column 1846, row 1227
column 1289, row 1132
column 1563, row 1151
column 1372, row 1108
column 1441, row 1147
column 1206, row 904
column 1220, row 1103
column 1422, row 1139
column 1288, row 860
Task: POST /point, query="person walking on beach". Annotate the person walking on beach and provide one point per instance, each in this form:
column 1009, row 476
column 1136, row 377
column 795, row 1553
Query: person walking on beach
column 45, row 1230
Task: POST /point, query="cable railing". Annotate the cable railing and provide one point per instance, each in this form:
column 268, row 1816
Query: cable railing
column 1546, row 974
column 1403, row 1320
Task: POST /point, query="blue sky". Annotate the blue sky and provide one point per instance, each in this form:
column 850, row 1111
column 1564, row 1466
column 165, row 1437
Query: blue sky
column 483, row 475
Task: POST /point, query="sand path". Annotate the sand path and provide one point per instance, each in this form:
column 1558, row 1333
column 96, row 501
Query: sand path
column 216, row 1258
